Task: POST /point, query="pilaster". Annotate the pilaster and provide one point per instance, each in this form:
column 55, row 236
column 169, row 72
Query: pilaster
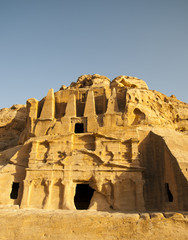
column 27, row 188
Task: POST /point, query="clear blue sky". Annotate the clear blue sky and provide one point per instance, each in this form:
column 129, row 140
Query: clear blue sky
column 47, row 43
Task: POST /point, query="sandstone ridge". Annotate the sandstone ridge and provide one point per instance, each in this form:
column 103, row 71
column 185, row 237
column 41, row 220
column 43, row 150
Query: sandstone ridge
column 90, row 225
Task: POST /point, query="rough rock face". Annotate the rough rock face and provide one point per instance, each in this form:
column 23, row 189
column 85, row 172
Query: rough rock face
column 89, row 225
column 111, row 147
column 12, row 123
column 152, row 108
column 129, row 82
column 94, row 80
column 96, row 145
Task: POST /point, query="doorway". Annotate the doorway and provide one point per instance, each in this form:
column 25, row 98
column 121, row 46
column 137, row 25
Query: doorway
column 14, row 192
column 83, row 196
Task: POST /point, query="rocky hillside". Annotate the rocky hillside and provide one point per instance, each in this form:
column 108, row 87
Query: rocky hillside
column 12, row 123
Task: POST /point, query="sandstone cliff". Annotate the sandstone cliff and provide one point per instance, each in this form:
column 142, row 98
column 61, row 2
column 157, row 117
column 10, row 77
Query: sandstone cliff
column 98, row 145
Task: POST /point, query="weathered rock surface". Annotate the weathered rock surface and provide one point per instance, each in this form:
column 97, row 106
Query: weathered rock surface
column 94, row 80
column 128, row 82
column 12, row 123
column 151, row 108
column 90, row 225
column 96, row 145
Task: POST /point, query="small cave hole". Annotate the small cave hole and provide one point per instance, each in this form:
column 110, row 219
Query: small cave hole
column 83, row 196
column 139, row 116
column 14, row 192
column 79, row 128
column 170, row 197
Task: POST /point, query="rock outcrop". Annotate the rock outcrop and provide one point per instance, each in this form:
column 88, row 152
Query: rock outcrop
column 12, row 123
column 90, row 225
column 94, row 80
column 129, row 82
column 96, row 145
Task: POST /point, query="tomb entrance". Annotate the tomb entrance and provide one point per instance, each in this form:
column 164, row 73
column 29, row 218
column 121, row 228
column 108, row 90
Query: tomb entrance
column 83, row 196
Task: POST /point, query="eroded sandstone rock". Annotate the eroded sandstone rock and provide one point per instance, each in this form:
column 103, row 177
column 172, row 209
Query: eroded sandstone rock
column 12, row 123
column 128, row 82
column 94, row 80
column 97, row 145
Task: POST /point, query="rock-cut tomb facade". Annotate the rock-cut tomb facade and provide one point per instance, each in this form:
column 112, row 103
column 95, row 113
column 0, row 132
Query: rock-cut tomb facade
column 100, row 145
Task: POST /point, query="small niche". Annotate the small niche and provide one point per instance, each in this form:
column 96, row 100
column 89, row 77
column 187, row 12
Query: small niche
column 170, row 197
column 14, row 192
column 79, row 128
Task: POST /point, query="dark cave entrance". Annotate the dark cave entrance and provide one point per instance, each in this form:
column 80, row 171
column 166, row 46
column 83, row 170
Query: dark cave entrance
column 83, row 196
column 14, row 192
column 79, row 128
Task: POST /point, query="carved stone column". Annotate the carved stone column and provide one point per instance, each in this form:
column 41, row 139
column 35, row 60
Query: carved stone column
column 32, row 108
column 27, row 187
column 33, row 153
column 51, row 152
column 90, row 113
column 48, row 109
column 69, row 193
column 47, row 201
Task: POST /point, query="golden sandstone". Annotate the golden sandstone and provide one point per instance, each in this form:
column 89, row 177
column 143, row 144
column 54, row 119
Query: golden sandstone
column 115, row 147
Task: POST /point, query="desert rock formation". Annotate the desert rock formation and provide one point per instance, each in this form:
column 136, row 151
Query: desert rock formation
column 12, row 123
column 96, row 145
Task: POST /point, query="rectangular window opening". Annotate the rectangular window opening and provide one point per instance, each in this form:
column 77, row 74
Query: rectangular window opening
column 79, row 128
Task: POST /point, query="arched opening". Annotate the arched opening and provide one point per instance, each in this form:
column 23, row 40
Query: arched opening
column 139, row 116
column 83, row 196
column 79, row 128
